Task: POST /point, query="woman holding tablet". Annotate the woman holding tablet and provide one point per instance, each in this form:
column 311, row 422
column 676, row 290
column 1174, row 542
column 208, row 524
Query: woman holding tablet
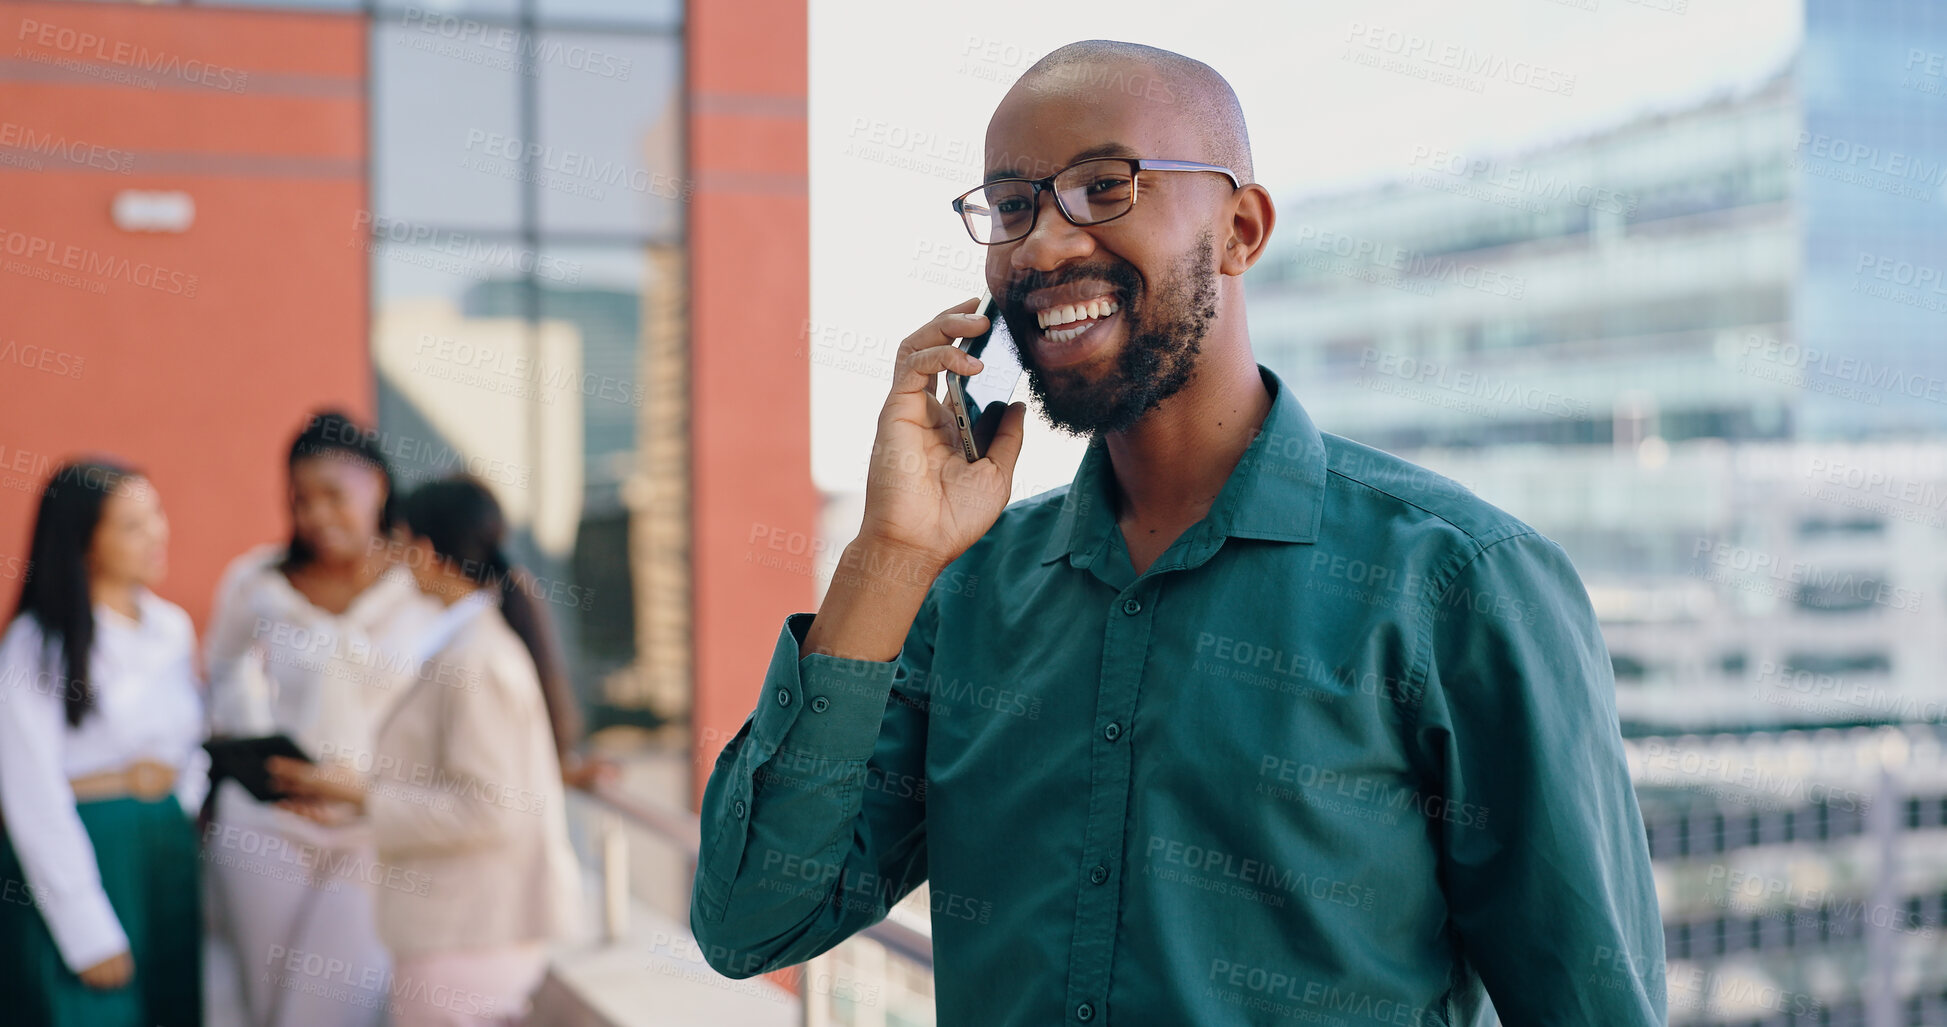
column 310, row 638
column 466, row 797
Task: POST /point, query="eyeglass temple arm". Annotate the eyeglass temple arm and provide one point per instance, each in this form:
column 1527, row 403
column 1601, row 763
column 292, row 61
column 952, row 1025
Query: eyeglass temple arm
column 1187, row 165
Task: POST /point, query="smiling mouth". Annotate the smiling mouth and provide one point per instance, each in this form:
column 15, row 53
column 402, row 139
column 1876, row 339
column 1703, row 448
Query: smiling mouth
column 1066, row 323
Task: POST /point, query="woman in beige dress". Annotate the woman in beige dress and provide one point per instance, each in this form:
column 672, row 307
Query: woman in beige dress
column 463, row 793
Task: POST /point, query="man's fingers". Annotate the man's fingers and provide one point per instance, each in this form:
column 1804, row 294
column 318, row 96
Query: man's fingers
column 916, row 371
column 958, row 322
column 1006, row 446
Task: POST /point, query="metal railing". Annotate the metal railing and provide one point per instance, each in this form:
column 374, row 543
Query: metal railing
column 680, row 830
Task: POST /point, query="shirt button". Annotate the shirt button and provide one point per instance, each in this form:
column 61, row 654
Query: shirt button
column 820, row 704
column 1132, row 606
column 784, row 697
column 1095, row 876
column 1113, row 731
column 740, row 809
column 1084, row 1012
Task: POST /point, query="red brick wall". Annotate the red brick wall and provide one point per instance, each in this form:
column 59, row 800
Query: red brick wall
column 196, row 355
column 750, row 292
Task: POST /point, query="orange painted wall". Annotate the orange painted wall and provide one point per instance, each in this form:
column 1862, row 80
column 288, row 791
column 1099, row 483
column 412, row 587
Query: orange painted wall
column 261, row 315
column 750, row 291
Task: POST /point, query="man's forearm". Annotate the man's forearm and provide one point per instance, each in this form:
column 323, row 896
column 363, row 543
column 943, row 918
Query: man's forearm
column 874, row 597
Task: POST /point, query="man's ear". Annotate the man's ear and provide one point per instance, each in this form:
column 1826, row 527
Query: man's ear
column 1250, row 228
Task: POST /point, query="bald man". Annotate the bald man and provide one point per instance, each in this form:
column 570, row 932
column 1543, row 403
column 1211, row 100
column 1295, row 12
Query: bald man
column 1249, row 724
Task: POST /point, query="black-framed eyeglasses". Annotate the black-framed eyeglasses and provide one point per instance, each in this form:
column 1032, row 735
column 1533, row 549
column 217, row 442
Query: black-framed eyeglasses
column 1088, row 192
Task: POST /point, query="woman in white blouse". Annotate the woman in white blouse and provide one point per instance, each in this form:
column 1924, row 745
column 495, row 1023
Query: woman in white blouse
column 464, row 792
column 312, row 639
column 100, row 765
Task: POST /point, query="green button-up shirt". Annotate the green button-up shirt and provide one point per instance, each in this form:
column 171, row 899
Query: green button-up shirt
column 1346, row 753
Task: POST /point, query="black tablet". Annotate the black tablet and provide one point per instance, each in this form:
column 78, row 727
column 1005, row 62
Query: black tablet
column 243, row 759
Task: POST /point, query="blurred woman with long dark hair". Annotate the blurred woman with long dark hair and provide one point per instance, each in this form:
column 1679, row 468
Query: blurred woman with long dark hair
column 465, row 792
column 100, row 720
column 310, row 638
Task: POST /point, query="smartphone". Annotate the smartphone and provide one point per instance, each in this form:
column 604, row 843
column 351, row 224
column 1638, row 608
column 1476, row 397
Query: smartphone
column 969, row 398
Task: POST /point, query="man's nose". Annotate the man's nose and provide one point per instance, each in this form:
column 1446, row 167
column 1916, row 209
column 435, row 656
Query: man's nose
column 1053, row 240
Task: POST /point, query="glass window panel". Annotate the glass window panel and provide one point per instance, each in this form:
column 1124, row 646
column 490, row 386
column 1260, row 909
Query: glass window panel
column 315, row 5
column 659, row 13
column 444, row 112
column 441, row 11
column 611, row 128
column 468, row 382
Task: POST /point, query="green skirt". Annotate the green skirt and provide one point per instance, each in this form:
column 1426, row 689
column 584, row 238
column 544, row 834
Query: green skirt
column 147, row 853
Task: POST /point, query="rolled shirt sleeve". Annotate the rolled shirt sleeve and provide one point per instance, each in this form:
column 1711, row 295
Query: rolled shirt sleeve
column 1545, row 863
column 814, row 816
column 37, row 804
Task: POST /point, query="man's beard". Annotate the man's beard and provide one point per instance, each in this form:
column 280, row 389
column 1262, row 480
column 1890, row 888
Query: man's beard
column 1158, row 356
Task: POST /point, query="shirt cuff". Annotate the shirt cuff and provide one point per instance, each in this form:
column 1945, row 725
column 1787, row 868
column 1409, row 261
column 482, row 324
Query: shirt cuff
column 822, row 706
column 84, row 927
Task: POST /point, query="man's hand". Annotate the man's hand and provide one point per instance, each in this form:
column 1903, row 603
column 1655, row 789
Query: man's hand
column 110, row 973
column 924, row 503
column 922, row 497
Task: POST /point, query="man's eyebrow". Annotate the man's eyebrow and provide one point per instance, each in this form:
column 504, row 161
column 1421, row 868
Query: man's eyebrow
column 1110, row 149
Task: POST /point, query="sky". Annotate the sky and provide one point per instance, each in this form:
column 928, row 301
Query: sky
column 1336, row 93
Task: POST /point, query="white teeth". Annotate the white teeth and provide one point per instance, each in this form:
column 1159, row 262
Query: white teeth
column 1076, row 312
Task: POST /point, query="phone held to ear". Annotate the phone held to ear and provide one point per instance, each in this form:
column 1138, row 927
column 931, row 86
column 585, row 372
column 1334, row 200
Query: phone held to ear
column 984, row 395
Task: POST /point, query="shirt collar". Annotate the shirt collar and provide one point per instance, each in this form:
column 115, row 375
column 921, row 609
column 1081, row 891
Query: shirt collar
column 1276, row 492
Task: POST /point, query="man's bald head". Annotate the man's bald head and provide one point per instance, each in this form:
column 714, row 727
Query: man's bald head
column 1178, row 87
